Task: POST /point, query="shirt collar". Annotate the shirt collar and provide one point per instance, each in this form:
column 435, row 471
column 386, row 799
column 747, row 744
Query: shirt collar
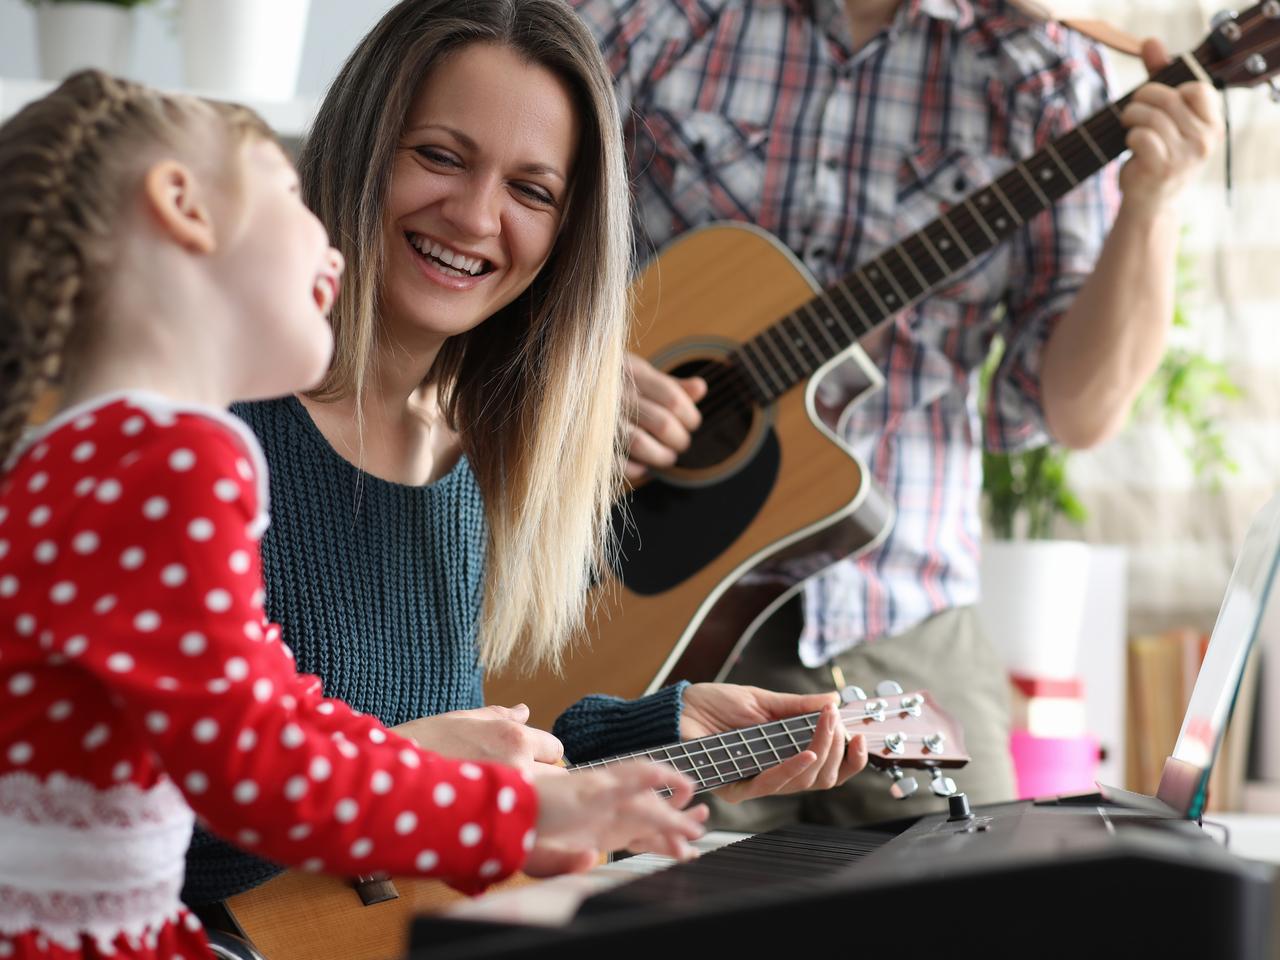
column 958, row 11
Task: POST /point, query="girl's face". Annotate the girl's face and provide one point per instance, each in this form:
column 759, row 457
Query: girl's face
column 276, row 258
column 478, row 190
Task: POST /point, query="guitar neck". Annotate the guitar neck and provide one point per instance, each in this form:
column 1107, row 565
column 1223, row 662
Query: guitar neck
column 792, row 349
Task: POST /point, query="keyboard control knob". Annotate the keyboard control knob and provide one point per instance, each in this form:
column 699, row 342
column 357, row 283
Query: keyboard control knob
column 958, row 807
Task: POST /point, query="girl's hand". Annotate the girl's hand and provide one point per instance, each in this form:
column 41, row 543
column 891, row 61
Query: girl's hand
column 492, row 733
column 612, row 809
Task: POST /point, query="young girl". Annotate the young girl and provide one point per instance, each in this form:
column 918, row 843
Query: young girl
column 159, row 263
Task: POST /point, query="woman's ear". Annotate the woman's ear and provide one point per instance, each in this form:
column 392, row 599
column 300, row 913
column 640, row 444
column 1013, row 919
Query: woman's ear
column 180, row 206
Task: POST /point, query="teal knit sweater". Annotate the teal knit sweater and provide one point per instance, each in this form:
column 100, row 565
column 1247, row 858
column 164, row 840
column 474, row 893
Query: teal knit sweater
column 379, row 587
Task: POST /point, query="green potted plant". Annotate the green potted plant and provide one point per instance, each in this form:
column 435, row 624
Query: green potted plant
column 75, row 34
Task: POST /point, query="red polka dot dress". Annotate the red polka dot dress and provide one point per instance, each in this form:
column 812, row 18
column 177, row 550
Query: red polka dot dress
column 140, row 687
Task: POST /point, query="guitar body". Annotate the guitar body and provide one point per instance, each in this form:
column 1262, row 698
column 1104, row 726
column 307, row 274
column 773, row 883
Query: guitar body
column 763, row 500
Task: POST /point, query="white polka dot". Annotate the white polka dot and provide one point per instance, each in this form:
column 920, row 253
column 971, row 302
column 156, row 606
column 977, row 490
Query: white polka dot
column 8, row 586
column 218, row 601
column 243, row 468
column 292, row 736
column 444, row 794
column 470, row 834
column 295, row 788
column 84, row 485
column 471, row 771
column 108, row 491
column 218, row 685
column 313, row 865
column 85, row 422
column 409, row 757
column 362, row 847
column 166, row 683
column 96, row 737
column 59, row 710
column 25, row 624
column 192, row 644
column 182, row 459
column 133, row 426
column 173, row 575
column 239, row 562
column 300, row 832
column 226, row 490
column 156, row 508
column 85, row 542
column 348, row 749
column 325, row 708
column 259, row 597
column 157, row 722
column 104, row 603
column 506, row 799
column 248, row 838
column 427, row 860
column 83, row 451
column 247, row 740
column 252, row 630
column 38, row 482
column 119, row 663
column 146, row 621
column 76, row 645
column 39, row 516
column 262, row 689
column 20, row 753
column 63, row 592
column 196, row 782
column 346, row 810
column 530, row 838
column 205, row 730
column 121, row 770
column 320, row 769
column 200, row 529
column 378, row 735
column 381, row 783
column 490, row 868
column 20, row 684
column 245, row 792
column 133, row 558
column 192, row 922
column 406, row 823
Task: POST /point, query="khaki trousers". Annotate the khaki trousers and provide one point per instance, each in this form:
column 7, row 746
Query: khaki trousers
column 948, row 655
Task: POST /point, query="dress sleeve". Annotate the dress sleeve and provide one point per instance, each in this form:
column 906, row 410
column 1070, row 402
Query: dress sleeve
column 261, row 755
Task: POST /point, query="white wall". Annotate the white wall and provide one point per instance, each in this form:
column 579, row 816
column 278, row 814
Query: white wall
column 332, row 31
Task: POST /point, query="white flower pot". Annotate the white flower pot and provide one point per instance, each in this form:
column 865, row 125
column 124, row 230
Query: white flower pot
column 243, row 49
column 76, row 36
column 1033, row 596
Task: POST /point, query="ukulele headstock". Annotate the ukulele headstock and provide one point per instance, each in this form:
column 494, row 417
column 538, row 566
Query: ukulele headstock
column 905, row 731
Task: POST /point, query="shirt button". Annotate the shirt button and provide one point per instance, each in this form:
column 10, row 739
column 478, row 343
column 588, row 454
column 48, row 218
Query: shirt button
column 699, row 149
column 961, row 184
column 833, row 163
column 819, row 253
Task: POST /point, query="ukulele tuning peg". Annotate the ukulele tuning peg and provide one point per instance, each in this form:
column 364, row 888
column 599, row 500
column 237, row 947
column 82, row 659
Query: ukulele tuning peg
column 1271, row 9
column 942, row 786
column 888, row 688
column 852, row 694
column 903, row 786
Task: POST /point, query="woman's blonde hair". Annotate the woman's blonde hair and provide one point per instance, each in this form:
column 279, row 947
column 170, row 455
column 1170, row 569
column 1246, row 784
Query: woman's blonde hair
column 70, row 165
column 535, row 391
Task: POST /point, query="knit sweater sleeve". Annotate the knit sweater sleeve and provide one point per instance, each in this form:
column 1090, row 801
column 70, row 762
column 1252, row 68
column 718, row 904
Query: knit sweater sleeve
column 600, row 726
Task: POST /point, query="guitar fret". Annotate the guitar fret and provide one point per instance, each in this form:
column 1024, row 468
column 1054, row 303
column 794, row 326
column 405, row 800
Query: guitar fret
column 797, row 326
column 902, row 255
column 822, row 327
column 1035, row 187
column 1057, row 158
column 884, row 311
column 977, row 217
column 813, row 345
column 1013, row 211
column 768, row 342
column 946, row 222
column 903, row 299
column 777, row 757
column 1092, row 144
column 742, row 735
column 848, row 295
column 933, row 252
column 758, row 363
column 781, row 332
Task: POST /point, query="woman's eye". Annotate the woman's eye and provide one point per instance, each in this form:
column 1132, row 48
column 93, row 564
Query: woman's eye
column 537, row 193
column 437, row 156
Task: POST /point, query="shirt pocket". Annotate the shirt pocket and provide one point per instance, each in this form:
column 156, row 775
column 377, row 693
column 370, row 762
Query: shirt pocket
column 709, row 166
column 932, row 179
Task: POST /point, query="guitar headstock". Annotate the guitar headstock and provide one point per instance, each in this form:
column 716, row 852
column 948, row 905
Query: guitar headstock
column 905, row 731
column 1243, row 50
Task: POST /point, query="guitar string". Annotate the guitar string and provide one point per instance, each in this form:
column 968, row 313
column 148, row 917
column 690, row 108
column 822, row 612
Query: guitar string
column 725, row 397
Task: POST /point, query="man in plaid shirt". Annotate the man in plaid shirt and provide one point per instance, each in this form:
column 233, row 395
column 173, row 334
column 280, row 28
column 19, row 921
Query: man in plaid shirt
column 841, row 126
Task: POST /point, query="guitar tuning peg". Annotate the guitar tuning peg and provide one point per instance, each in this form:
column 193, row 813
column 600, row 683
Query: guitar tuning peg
column 903, row 786
column 852, row 694
column 1275, row 90
column 1221, row 17
column 942, row 786
column 888, row 688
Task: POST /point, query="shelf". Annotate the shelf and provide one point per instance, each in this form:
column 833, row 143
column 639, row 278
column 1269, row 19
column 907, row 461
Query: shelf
column 289, row 118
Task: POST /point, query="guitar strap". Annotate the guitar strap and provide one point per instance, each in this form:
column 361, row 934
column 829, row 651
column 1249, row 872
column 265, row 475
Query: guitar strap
column 1099, row 31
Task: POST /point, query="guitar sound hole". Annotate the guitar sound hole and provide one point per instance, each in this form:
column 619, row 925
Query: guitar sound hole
column 727, row 413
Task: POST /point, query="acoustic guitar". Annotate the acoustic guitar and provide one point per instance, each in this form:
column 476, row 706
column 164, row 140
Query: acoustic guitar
column 304, row 916
column 768, row 494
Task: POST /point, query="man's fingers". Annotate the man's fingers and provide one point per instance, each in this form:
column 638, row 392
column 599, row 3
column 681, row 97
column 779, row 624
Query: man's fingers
column 786, row 777
column 646, row 451
column 855, row 758
column 665, row 390
column 661, row 424
column 1154, row 55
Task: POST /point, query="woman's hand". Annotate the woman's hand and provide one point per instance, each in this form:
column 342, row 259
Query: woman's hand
column 613, row 808
column 666, row 414
column 493, row 733
column 831, row 759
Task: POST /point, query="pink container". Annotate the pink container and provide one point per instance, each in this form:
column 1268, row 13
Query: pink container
column 1049, row 766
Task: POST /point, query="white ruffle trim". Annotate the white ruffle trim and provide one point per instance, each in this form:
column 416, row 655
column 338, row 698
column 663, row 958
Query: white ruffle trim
column 80, row 861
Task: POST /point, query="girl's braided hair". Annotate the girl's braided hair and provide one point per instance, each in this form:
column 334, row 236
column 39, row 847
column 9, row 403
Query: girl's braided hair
column 69, row 165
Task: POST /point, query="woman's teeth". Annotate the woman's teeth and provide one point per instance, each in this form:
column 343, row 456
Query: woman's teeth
column 450, row 262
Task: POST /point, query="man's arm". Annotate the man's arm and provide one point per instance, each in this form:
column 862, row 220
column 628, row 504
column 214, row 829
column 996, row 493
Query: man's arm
column 1110, row 339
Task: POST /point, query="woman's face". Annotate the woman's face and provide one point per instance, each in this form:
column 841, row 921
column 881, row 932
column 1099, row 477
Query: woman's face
column 478, row 190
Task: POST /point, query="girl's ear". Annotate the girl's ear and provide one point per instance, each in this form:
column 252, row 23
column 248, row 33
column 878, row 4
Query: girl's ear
column 179, row 206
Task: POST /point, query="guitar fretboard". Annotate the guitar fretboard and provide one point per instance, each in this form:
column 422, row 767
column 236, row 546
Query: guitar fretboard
column 790, row 350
